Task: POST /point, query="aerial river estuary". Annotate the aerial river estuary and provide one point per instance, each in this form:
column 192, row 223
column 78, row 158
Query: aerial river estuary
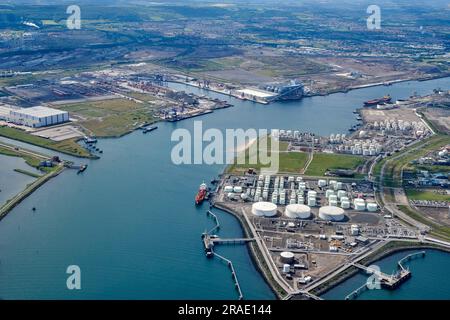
column 130, row 223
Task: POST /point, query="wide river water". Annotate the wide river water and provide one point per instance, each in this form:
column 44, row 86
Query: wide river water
column 130, row 224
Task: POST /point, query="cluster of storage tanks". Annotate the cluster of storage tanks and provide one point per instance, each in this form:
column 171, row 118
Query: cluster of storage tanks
column 417, row 127
column 299, row 200
column 293, row 194
column 235, row 191
column 290, row 134
column 337, row 138
column 336, row 196
column 367, row 147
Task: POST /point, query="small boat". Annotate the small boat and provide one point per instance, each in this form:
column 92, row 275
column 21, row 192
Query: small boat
column 90, row 140
column 148, row 129
column 82, row 168
column 201, row 194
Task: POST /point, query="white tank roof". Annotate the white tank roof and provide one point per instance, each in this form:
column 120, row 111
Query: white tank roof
column 267, row 209
column 287, row 255
column 297, row 211
column 331, row 213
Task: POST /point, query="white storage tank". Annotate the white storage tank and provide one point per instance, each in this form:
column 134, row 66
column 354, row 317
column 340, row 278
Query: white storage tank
column 345, row 204
column 264, row 209
column 286, row 268
column 372, row 207
column 237, row 189
column 322, row 183
column 360, row 204
column 228, row 189
column 312, row 193
column 331, row 213
column 341, row 194
column 287, row 257
column 332, row 197
column 333, row 203
column 328, row 193
column 297, row 211
column 312, row 202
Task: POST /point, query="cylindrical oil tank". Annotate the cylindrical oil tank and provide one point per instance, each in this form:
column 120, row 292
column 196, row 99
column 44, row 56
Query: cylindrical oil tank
column 322, row 183
column 360, row 204
column 372, row 207
column 228, row 189
column 237, row 189
column 287, row 257
column 264, row 209
column 286, row 268
column 299, row 211
column 341, row 193
column 345, row 204
column 312, row 201
column 328, row 193
column 331, row 213
column 332, row 197
column 333, row 203
column 312, row 193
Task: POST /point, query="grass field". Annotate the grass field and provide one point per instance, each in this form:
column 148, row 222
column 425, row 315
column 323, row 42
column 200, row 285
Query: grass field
column 69, row 146
column 416, row 194
column 289, row 162
column 326, row 161
column 30, row 160
column 110, row 118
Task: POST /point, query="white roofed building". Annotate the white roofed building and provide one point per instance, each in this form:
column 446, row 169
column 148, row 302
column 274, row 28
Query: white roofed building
column 34, row 117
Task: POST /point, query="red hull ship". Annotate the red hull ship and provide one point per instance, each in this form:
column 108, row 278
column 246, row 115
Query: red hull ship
column 201, row 194
column 385, row 99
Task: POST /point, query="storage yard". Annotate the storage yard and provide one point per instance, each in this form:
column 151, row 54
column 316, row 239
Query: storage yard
column 309, row 226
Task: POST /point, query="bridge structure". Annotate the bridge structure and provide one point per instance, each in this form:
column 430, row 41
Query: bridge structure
column 385, row 280
column 210, row 240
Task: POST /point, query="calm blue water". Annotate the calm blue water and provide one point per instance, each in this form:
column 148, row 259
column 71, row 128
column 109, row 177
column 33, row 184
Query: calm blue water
column 130, row 224
column 429, row 279
column 12, row 182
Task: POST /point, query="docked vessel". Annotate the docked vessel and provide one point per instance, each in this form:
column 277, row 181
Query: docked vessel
column 201, row 194
column 374, row 102
column 149, row 129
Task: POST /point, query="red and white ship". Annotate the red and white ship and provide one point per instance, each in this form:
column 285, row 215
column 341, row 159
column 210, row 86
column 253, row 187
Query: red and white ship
column 201, row 194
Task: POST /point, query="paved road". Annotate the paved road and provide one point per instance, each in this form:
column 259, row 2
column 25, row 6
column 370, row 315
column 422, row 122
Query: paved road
column 392, row 208
column 24, row 151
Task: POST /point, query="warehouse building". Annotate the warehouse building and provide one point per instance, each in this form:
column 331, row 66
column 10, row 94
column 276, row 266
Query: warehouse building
column 34, row 117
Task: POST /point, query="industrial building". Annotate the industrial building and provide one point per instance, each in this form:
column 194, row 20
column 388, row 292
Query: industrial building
column 34, row 117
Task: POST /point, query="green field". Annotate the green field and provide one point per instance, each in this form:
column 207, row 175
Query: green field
column 327, row 161
column 30, row 160
column 69, row 146
column 416, row 194
column 110, row 118
column 289, row 162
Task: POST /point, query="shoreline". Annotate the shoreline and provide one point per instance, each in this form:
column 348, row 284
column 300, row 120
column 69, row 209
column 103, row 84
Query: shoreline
column 383, row 252
column 251, row 250
column 18, row 198
column 343, row 90
column 374, row 257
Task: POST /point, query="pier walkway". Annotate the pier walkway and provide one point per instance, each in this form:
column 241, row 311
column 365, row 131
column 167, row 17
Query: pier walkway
column 209, row 241
column 410, row 257
column 233, row 274
column 389, row 281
